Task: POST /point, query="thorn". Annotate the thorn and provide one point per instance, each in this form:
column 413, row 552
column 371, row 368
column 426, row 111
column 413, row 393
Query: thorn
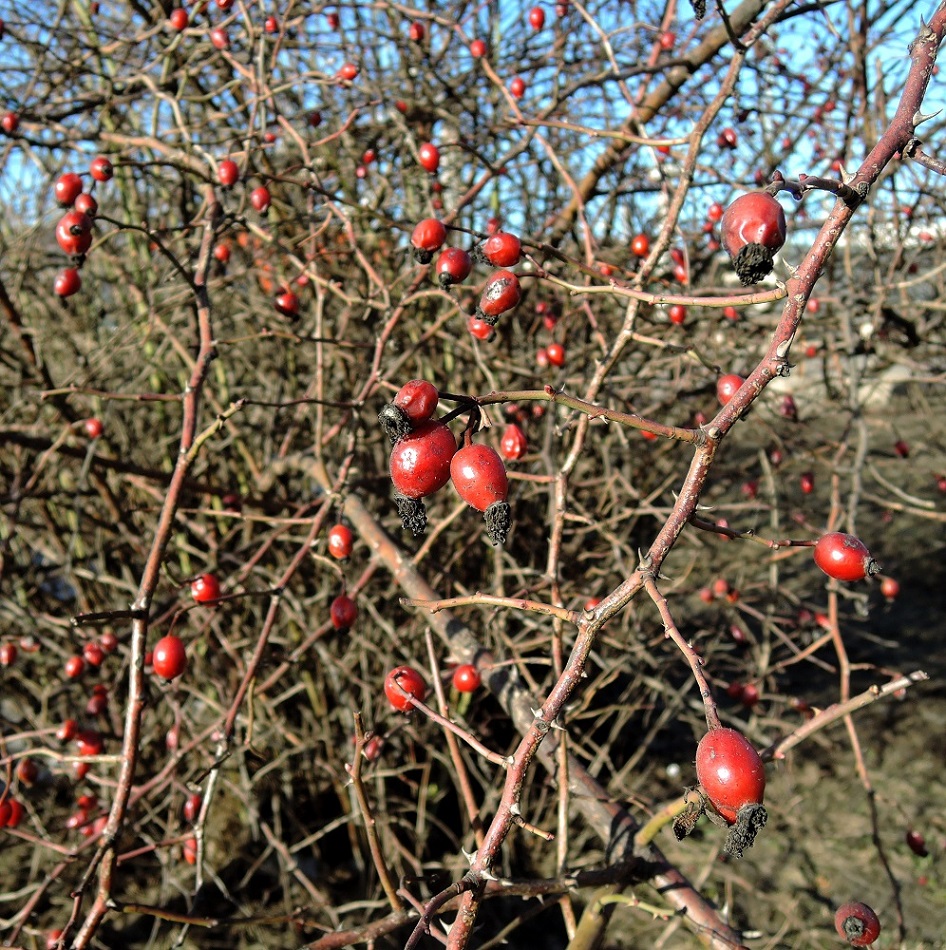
column 556, row 725
column 469, row 855
column 919, row 118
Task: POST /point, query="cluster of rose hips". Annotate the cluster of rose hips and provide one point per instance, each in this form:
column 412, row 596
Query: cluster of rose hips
column 74, row 230
column 178, row 21
column 502, row 291
column 404, row 683
column 228, row 174
column 425, row 457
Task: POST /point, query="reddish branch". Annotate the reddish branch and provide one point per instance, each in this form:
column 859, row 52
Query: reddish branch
column 136, row 701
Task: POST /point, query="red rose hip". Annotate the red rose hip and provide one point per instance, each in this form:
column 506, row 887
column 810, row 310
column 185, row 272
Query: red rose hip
column 168, row 657
column 857, row 923
column 753, row 230
column 844, row 557
column 479, row 476
column 501, row 293
column 401, row 680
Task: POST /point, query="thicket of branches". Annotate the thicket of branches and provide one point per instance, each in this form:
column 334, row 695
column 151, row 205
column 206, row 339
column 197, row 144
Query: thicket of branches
column 647, row 585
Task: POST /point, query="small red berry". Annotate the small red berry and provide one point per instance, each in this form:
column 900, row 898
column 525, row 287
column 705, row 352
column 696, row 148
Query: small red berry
column 890, row 588
column 807, row 482
column 219, row 38
column 640, row 245
column 404, row 679
column 189, row 850
column 857, row 924
column 428, row 236
column 727, row 386
column 727, row 138
column 315, row 119
column 667, row 40
column 343, row 611
column 168, row 657
column 228, row 172
column 730, row 771
column 917, row 843
column 8, row 654
column 477, row 49
column 75, row 666
column 481, row 329
column 74, row 233
column 715, row 211
column 502, row 292
column 417, row 399
column 109, row 642
column 16, row 813
column 513, row 443
column 844, row 557
column 340, row 541
column 348, row 72
column 479, row 477
column 261, row 199
column 10, row 122
column 101, row 169
column 287, row 303
column 556, row 354
column 517, row 87
column 89, row 742
column 178, row 20
column 67, row 188
column 93, row 427
column 205, row 588
column 416, row 32
column 502, row 249
column 68, row 282
column 753, row 230
column 27, row 771
column 420, row 462
column 537, row 18
column 222, row 253
column 93, row 654
column 86, row 204
column 901, row 448
column 67, row 731
column 453, row 266
column 429, row 157
column 677, row 314
column 192, row 806
column 271, row 25
column 466, row 678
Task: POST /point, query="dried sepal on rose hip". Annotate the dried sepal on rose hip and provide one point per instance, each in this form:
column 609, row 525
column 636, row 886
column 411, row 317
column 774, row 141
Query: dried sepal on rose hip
column 414, row 403
column 857, row 923
column 732, row 776
column 752, row 231
column 479, row 476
